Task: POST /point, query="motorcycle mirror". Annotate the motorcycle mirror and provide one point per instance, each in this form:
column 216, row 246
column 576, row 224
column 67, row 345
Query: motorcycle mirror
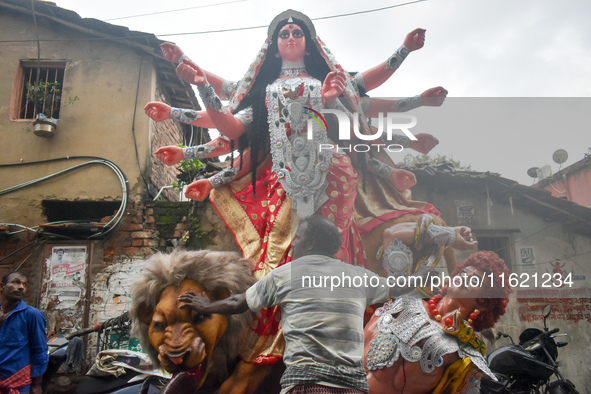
column 546, row 312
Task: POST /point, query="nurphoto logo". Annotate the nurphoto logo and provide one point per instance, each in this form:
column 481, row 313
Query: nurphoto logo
column 390, row 124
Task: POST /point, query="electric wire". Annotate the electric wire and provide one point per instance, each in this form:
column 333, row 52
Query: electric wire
column 190, row 139
column 552, row 186
column 30, row 254
column 368, row 11
column 27, row 245
column 314, row 19
column 24, row 228
column 221, row 30
column 109, row 226
column 38, row 43
column 35, row 228
column 258, row 27
column 137, row 155
column 119, row 215
column 169, row 11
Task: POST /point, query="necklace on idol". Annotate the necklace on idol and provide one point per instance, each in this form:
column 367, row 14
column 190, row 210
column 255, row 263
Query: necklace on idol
column 432, row 303
column 293, row 69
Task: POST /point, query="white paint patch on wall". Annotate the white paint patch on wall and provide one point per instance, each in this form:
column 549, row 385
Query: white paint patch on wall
column 112, row 289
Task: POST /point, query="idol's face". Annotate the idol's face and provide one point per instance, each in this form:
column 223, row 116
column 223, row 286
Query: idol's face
column 291, row 42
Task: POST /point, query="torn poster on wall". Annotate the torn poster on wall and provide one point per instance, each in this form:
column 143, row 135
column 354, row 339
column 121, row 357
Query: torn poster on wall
column 67, row 275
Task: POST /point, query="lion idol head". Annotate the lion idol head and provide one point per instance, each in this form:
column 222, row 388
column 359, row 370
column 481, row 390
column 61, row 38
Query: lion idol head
column 176, row 339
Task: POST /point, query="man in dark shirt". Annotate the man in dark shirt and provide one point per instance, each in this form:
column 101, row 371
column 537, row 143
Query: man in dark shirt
column 23, row 347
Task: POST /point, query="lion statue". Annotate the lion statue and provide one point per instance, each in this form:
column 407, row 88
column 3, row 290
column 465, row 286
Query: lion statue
column 200, row 347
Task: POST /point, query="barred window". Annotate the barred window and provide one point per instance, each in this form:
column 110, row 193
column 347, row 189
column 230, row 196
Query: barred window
column 41, row 89
column 499, row 244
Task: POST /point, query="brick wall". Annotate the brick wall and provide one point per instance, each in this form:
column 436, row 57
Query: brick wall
column 164, row 225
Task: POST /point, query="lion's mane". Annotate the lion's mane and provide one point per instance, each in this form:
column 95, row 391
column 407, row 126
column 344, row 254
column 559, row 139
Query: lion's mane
column 211, row 270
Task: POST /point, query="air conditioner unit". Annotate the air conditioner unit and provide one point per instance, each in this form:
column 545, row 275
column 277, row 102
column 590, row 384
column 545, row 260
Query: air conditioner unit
column 544, row 172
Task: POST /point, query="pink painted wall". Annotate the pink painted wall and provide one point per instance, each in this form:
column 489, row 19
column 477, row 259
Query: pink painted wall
column 576, row 187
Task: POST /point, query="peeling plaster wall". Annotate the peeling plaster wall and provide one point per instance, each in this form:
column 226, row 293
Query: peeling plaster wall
column 106, row 86
column 112, row 292
column 147, row 228
column 114, row 284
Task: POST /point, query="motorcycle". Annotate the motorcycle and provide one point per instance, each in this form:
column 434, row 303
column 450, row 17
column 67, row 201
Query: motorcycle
column 56, row 348
column 134, row 381
column 527, row 368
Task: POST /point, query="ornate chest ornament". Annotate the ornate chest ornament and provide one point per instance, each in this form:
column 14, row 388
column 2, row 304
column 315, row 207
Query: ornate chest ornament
column 297, row 160
column 400, row 336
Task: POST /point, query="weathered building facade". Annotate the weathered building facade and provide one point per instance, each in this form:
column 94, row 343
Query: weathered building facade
column 76, row 206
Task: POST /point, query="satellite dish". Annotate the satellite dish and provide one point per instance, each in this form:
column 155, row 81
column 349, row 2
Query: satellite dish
column 533, row 172
column 560, row 156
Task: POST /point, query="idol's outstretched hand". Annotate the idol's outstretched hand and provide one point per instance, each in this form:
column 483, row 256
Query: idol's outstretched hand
column 171, row 52
column 434, row 97
column 191, row 73
column 170, row 155
column 424, row 143
column 402, row 179
column 464, row 239
column 415, row 39
column 157, row 111
column 198, row 190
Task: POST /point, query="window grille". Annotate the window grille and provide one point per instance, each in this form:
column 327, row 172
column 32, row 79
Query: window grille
column 49, row 75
